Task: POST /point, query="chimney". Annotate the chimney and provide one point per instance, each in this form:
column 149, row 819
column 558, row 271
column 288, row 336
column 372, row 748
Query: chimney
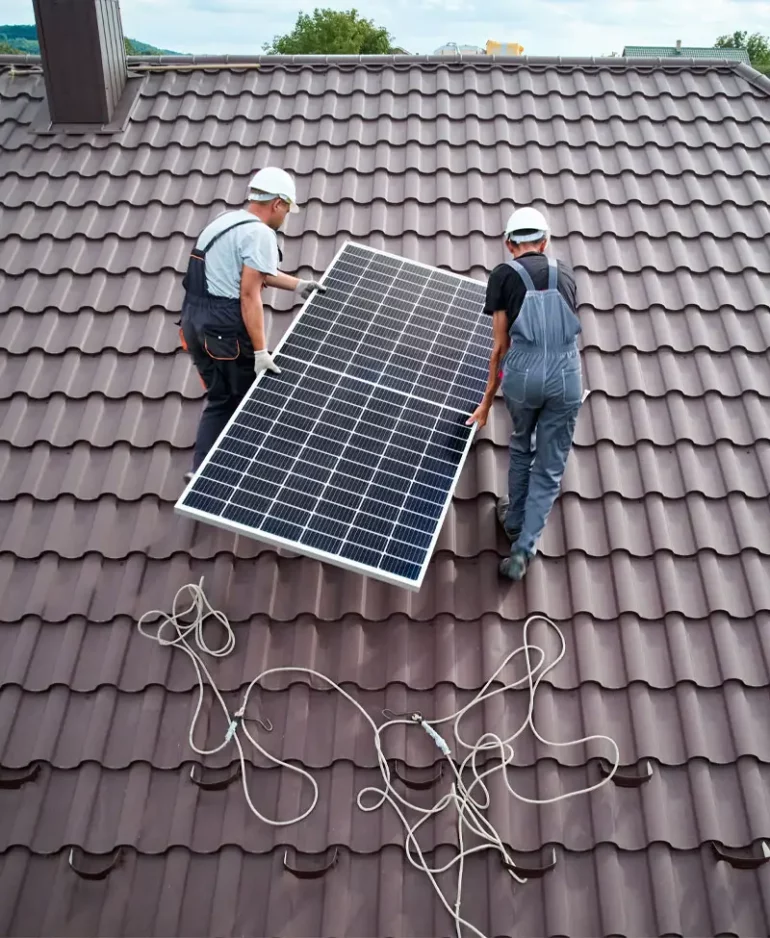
column 679, row 45
column 83, row 57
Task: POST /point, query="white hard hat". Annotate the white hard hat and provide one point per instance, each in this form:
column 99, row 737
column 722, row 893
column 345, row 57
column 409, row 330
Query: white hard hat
column 526, row 224
column 275, row 182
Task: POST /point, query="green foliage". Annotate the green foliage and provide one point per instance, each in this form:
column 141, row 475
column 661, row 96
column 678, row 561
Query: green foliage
column 143, row 48
column 19, row 45
column 332, row 32
column 19, row 32
column 757, row 46
column 22, row 40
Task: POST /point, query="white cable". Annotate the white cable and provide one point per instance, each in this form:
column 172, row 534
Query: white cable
column 470, row 808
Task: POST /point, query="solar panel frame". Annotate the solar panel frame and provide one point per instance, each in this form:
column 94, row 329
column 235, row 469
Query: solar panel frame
column 293, row 546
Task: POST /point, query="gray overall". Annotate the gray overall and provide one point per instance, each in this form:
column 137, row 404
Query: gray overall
column 542, row 386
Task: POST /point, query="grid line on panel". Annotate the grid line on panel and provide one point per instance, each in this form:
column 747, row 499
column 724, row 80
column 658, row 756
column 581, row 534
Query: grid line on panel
column 285, row 407
column 460, row 386
column 417, row 317
column 393, row 459
column 340, row 458
column 363, row 436
column 408, row 532
column 302, row 490
column 386, row 349
column 370, row 482
column 410, row 309
column 316, row 422
column 311, row 316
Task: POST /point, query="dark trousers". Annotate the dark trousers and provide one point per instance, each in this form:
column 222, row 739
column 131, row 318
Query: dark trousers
column 225, row 363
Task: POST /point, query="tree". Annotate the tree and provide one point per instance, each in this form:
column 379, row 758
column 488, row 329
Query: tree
column 7, row 49
column 757, row 46
column 332, row 32
column 133, row 47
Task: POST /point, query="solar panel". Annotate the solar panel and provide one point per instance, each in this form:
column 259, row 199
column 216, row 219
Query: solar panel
column 351, row 455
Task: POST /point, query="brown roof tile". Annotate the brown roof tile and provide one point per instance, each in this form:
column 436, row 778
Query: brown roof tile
column 104, row 803
column 316, row 727
column 655, row 562
column 657, row 891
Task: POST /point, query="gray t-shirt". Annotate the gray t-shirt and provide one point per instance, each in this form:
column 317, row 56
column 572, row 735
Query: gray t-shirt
column 254, row 245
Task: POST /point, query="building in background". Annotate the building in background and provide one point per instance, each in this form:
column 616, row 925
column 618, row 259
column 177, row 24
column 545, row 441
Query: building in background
column 452, row 48
column 687, row 52
column 491, row 48
column 503, row 48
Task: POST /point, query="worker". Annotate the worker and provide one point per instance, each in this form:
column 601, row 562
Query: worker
column 223, row 320
column 532, row 301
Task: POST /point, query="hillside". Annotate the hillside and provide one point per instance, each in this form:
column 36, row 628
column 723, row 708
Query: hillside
column 23, row 39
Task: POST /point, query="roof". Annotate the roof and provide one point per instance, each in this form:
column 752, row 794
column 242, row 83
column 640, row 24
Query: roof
column 692, row 52
column 655, row 562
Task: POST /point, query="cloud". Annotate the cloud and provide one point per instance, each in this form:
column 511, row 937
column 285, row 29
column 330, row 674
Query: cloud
column 543, row 27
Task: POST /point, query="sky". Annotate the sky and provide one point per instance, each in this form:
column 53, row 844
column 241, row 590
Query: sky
column 543, row 27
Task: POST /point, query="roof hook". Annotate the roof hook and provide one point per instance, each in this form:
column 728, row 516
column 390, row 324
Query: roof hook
column 741, row 861
column 310, row 873
column 531, row 872
column 93, row 874
column 624, row 779
column 17, row 778
column 214, row 784
column 411, row 782
column 266, row 725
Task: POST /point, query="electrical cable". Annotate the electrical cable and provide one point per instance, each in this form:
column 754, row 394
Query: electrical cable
column 470, row 818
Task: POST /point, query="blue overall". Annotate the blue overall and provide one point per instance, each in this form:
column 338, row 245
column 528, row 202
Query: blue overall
column 543, row 388
column 213, row 332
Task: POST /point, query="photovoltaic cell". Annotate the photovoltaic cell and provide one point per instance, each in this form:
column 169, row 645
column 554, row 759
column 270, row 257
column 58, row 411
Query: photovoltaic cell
column 352, row 453
column 413, row 328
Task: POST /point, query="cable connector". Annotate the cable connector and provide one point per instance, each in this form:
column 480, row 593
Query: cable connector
column 232, row 729
column 438, row 740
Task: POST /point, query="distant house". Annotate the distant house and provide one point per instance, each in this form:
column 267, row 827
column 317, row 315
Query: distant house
column 491, row 48
column 452, row 48
column 686, row 52
column 503, row 48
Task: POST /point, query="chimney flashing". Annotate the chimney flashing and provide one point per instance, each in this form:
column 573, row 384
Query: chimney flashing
column 43, row 125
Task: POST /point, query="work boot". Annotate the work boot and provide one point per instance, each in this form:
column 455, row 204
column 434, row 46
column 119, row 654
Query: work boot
column 188, row 476
column 502, row 511
column 515, row 566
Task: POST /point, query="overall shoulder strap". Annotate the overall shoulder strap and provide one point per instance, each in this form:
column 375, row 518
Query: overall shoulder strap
column 522, row 272
column 218, row 235
column 553, row 273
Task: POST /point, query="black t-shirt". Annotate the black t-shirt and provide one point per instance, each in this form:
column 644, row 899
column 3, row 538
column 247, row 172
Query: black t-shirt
column 506, row 290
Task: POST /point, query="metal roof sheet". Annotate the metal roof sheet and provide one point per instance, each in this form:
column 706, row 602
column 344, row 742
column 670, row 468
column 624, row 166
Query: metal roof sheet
column 655, row 562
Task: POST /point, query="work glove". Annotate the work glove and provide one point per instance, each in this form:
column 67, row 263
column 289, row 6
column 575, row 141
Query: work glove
column 306, row 287
column 263, row 362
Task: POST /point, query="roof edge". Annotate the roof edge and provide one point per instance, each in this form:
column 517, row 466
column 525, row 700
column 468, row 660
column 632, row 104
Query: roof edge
column 235, row 61
column 753, row 76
